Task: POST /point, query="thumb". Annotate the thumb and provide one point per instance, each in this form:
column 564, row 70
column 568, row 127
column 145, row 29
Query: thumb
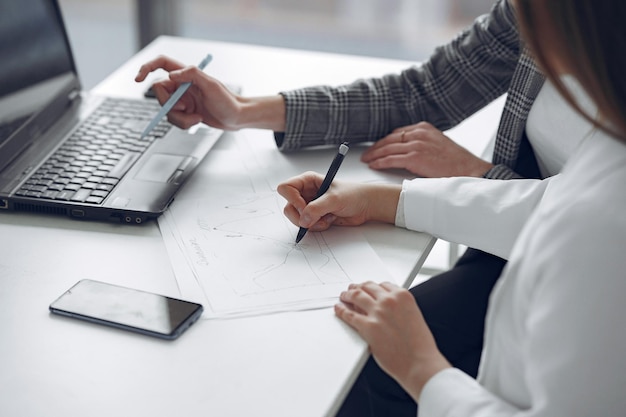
column 314, row 211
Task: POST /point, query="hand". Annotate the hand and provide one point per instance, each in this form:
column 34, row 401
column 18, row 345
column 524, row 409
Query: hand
column 425, row 151
column 209, row 101
column 345, row 204
column 389, row 320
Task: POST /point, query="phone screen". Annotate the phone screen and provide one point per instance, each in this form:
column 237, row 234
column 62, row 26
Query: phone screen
column 126, row 308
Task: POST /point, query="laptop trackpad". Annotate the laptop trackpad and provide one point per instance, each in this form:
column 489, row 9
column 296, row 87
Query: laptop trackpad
column 163, row 168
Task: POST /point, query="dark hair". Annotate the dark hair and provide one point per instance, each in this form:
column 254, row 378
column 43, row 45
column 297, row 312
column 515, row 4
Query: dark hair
column 588, row 39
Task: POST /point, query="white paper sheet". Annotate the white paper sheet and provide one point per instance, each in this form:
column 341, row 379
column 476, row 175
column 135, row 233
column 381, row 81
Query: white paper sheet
column 241, row 258
column 234, row 251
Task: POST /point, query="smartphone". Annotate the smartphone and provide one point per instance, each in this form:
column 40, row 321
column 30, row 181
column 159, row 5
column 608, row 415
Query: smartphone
column 129, row 309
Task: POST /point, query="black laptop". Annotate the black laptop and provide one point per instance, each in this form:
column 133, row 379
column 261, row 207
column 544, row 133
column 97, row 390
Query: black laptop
column 66, row 152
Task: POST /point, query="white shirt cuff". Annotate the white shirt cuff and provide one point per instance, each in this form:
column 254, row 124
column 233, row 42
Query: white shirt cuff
column 400, row 218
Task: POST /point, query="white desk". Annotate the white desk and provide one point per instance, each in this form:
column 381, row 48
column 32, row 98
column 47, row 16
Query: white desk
column 291, row 364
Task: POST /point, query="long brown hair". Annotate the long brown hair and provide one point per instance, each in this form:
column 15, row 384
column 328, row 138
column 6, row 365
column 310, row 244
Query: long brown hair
column 588, row 39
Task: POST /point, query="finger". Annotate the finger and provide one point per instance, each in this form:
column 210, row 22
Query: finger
column 390, row 286
column 400, row 161
column 294, row 191
column 163, row 90
column 397, row 137
column 318, row 212
column 359, row 298
column 160, row 62
column 305, row 185
column 324, row 223
column 190, row 74
column 352, row 307
column 351, row 317
column 298, row 191
column 182, row 119
column 291, row 190
column 292, row 214
column 392, row 148
column 373, row 289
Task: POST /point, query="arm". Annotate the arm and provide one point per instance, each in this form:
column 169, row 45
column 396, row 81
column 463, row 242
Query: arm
column 460, row 78
column 553, row 341
column 476, row 212
column 456, row 81
column 561, row 316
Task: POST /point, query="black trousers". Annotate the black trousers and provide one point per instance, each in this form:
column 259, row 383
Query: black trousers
column 454, row 305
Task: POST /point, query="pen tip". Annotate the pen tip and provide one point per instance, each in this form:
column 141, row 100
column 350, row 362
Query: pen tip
column 301, row 234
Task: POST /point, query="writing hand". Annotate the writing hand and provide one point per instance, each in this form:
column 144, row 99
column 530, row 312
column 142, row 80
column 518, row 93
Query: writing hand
column 344, row 204
column 425, row 151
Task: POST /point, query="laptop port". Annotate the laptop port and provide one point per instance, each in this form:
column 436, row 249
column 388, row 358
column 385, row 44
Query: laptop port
column 77, row 213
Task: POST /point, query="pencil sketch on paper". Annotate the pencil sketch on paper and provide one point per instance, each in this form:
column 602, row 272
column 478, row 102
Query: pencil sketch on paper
column 255, row 249
column 233, row 249
column 238, row 254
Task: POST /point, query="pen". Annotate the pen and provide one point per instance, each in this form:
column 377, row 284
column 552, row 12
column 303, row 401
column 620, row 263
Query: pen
column 330, row 175
column 173, row 99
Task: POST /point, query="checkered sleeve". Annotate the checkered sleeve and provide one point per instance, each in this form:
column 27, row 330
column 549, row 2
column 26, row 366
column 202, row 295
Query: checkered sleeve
column 458, row 79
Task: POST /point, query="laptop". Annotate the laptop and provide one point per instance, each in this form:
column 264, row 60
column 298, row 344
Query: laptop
column 66, row 152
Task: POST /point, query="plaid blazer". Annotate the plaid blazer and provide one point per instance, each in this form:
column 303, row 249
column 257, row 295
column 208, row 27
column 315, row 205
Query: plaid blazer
column 483, row 62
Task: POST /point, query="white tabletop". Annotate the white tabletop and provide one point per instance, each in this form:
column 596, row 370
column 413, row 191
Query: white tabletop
column 287, row 364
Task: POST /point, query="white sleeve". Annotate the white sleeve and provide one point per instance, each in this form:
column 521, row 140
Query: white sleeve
column 445, row 390
column 561, row 300
column 480, row 213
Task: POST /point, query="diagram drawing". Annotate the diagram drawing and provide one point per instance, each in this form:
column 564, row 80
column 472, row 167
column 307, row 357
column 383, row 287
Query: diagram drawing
column 255, row 248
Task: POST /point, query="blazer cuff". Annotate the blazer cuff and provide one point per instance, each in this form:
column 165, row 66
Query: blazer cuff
column 501, row 172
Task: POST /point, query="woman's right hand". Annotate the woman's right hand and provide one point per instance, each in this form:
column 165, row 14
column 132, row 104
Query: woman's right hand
column 209, row 101
column 344, row 204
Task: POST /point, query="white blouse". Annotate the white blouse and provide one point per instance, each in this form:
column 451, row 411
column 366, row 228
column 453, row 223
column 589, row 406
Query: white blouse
column 489, row 216
column 555, row 336
column 554, row 128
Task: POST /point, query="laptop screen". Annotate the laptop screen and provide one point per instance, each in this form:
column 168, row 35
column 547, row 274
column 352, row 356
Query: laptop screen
column 36, row 64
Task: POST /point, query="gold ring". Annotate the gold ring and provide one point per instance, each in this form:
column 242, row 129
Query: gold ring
column 402, row 136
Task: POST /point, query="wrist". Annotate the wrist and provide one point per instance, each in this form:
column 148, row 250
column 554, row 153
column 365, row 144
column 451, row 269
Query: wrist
column 262, row 113
column 480, row 168
column 383, row 202
column 419, row 375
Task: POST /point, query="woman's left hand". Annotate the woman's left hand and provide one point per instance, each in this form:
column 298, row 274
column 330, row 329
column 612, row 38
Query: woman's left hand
column 388, row 318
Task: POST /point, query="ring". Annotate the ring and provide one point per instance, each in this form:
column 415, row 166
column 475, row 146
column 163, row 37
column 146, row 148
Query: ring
column 402, row 136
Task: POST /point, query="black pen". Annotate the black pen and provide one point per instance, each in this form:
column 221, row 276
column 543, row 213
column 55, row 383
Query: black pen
column 330, row 175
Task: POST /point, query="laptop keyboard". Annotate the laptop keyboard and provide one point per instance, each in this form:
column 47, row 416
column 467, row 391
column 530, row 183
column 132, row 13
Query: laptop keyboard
column 96, row 156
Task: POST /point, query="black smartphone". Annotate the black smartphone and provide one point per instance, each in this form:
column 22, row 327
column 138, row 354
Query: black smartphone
column 129, row 309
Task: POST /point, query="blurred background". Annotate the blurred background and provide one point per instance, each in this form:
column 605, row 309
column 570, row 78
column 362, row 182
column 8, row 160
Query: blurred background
column 105, row 33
